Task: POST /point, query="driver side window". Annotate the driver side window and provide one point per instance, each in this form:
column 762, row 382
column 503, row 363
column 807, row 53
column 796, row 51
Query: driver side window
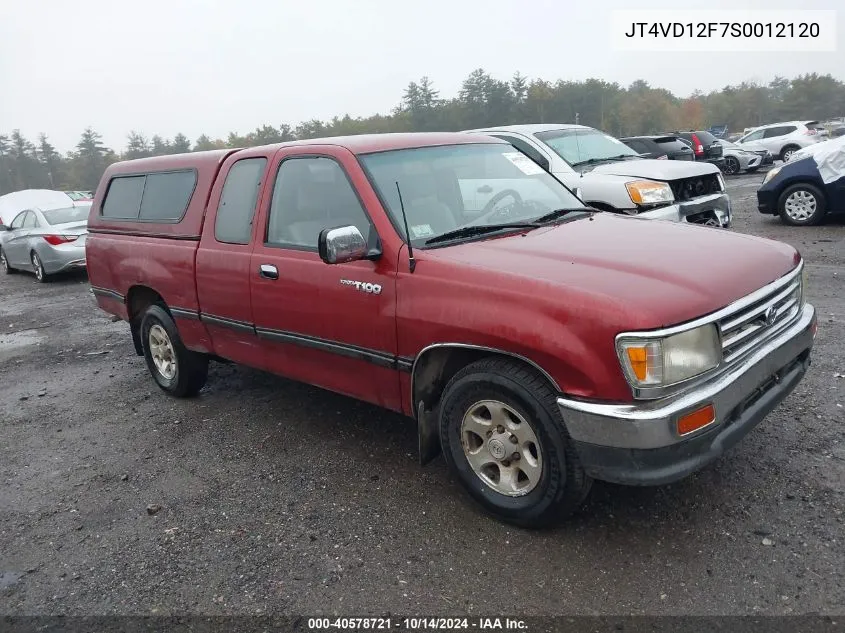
column 311, row 194
column 754, row 136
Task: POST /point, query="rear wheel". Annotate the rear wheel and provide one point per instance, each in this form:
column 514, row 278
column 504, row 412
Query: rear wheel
column 38, row 267
column 731, row 165
column 175, row 368
column 504, row 439
column 787, row 152
column 801, row 205
column 4, row 263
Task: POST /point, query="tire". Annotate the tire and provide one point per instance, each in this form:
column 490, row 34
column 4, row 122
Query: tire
column 801, row 205
column 176, row 369
column 559, row 484
column 787, row 151
column 40, row 276
column 732, row 166
column 4, row 263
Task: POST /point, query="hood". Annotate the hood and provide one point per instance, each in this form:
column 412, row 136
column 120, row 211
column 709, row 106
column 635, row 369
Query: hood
column 655, row 169
column 657, row 273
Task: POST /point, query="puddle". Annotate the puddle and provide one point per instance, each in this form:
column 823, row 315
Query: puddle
column 9, row 578
column 14, row 340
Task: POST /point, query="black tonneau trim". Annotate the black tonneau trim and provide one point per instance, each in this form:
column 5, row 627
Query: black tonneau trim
column 107, row 293
column 184, row 313
column 166, row 236
column 377, row 357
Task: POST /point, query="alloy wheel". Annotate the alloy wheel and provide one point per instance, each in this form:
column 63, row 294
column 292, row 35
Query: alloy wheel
column 502, row 448
column 161, row 350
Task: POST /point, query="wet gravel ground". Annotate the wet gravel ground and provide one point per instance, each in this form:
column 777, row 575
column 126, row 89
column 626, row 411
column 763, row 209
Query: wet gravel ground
column 264, row 495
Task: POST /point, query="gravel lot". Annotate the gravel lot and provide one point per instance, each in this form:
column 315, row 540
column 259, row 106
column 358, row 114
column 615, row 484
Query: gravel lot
column 277, row 497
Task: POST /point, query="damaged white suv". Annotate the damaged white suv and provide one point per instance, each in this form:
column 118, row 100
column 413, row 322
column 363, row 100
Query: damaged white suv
column 610, row 176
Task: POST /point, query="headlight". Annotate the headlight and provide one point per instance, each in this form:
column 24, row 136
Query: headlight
column 649, row 192
column 666, row 361
column 771, row 174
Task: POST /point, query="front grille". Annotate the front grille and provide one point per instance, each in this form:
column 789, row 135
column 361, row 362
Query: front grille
column 745, row 329
column 691, row 188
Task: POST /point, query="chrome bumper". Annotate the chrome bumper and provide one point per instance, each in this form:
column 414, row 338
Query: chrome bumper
column 652, row 424
column 719, row 204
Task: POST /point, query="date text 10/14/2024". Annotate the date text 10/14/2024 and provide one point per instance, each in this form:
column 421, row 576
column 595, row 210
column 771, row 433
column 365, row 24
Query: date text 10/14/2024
column 417, row 624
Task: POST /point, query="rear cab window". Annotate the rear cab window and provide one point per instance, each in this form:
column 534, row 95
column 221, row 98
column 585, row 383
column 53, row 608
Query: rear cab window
column 154, row 197
column 236, row 210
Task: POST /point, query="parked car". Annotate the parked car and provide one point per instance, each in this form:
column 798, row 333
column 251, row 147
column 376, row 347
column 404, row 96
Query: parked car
column 837, row 131
column 539, row 344
column 782, row 139
column 705, row 146
column 13, row 203
column 809, row 186
column 660, row 147
column 80, row 196
column 738, row 159
column 610, row 176
column 44, row 241
column 719, row 131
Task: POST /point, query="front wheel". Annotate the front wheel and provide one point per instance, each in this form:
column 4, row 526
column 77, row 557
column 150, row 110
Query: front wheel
column 801, row 205
column 787, row 152
column 5, row 263
column 175, row 368
column 504, row 439
column 731, row 166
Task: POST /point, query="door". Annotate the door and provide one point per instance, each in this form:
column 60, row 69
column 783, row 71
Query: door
column 317, row 323
column 16, row 244
column 223, row 260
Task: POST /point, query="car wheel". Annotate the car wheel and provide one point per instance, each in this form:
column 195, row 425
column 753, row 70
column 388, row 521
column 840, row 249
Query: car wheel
column 38, row 267
column 5, row 263
column 801, row 205
column 731, row 165
column 175, row 368
column 503, row 437
column 787, row 152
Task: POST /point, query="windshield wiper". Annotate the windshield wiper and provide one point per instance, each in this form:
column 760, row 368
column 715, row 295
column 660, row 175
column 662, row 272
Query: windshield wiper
column 479, row 229
column 557, row 214
column 592, row 161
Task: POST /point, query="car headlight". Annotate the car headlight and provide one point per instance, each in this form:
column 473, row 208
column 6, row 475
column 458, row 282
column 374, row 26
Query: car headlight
column 649, row 192
column 659, row 362
column 771, row 174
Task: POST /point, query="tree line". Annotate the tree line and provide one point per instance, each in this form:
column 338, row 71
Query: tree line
column 482, row 101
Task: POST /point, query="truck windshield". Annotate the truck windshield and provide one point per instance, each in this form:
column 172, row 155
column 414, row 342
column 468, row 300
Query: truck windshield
column 450, row 187
column 583, row 146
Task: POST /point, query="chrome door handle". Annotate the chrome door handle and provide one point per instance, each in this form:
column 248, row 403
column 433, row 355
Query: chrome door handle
column 268, row 271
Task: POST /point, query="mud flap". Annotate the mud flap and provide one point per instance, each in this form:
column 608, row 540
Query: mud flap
column 429, row 440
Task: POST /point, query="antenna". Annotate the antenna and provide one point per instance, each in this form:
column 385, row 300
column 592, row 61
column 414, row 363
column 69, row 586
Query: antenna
column 412, row 263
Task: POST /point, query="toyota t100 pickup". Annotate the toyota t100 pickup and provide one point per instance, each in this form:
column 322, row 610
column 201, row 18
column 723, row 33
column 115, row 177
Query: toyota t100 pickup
column 538, row 343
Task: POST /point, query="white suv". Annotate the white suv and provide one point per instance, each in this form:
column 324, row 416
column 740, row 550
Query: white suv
column 783, row 139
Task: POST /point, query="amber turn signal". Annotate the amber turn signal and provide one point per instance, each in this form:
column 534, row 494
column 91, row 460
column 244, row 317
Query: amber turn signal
column 638, row 358
column 696, row 420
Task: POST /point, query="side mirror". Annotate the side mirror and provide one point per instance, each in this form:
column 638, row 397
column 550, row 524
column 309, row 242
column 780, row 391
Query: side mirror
column 3, row 227
column 577, row 192
column 342, row 244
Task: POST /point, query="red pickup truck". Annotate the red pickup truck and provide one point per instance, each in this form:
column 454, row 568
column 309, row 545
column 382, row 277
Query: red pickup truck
column 538, row 343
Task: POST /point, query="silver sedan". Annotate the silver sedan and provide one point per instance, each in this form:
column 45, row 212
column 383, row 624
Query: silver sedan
column 739, row 159
column 44, row 241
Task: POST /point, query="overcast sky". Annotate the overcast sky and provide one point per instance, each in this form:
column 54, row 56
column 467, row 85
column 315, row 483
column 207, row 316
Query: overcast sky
column 168, row 66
